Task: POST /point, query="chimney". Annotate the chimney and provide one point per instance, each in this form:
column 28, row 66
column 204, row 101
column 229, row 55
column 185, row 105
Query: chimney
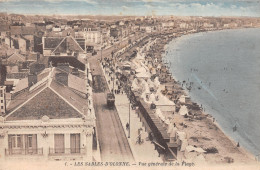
column 2, row 100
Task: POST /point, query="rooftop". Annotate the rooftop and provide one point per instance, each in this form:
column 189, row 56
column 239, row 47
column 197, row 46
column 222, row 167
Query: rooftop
column 48, row 103
column 49, row 98
column 52, row 42
column 68, row 44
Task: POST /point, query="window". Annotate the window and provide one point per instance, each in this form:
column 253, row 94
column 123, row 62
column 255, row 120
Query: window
column 19, row 142
column 29, row 141
column 22, row 144
column 75, row 143
column 2, row 101
column 59, row 143
column 1, row 95
column 15, row 141
column 2, row 107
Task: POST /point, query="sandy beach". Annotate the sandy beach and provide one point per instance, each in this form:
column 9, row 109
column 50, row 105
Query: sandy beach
column 201, row 129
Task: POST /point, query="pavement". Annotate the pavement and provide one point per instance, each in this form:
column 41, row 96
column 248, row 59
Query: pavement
column 144, row 151
column 113, row 142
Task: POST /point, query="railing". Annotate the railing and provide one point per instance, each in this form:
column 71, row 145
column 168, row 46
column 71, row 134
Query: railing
column 68, row 151
column 20, row 151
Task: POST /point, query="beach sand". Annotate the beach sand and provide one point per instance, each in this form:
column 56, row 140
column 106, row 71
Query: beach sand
column 202, row 131
column 200, row 128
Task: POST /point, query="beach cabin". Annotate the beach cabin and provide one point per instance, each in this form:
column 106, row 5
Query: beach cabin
column 163, row 103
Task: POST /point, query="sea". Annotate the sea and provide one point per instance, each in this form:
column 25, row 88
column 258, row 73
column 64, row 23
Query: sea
column 223, row 70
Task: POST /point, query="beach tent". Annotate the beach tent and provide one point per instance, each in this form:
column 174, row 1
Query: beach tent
column 152, row 98
column 145, row 92
column 146, row 88
column 182, row 99
column 173, row 132
column 164, row 103
column 191, row 148
column 157, row 82
column 145, row 98
column 182, row 139
column 151, row 84
column 127, row 63
column 170, row 127
column 190, row 155
column 160, row 114
column 135, row 85
column 167, row 121
column 183, row 110
column 140, row 56
column 200, row 150
column 181, row 135
column 140, row 70
column 143, row 75
column 184, row 144
column 153, row 71
column 193, row 152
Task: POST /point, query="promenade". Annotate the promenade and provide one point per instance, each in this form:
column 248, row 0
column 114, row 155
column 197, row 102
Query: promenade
column 112, row 139
column 143, row 151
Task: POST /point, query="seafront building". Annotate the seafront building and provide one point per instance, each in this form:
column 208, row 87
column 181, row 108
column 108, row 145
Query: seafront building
column 53, row 120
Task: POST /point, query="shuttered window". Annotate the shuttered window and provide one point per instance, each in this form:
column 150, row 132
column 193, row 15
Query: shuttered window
column 59, row 143
column 75, row 143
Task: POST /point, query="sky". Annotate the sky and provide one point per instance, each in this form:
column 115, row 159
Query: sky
column 134, row 7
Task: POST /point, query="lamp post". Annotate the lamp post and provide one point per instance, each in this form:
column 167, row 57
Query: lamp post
column 114, row 71
column 129, row 120
column 101, row 45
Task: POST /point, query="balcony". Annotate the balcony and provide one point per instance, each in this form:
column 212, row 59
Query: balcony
column 66, row 151
column 20, row 151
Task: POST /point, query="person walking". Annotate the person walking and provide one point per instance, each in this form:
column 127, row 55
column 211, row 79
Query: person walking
column 150, row 136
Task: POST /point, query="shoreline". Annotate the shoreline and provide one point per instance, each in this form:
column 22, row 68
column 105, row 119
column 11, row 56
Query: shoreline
column 186, row 92
column 199, row 127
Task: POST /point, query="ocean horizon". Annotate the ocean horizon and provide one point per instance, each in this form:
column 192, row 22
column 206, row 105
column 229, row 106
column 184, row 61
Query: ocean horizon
column 222, row 69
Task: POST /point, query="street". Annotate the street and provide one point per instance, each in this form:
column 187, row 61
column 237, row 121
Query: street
column 112, row 140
